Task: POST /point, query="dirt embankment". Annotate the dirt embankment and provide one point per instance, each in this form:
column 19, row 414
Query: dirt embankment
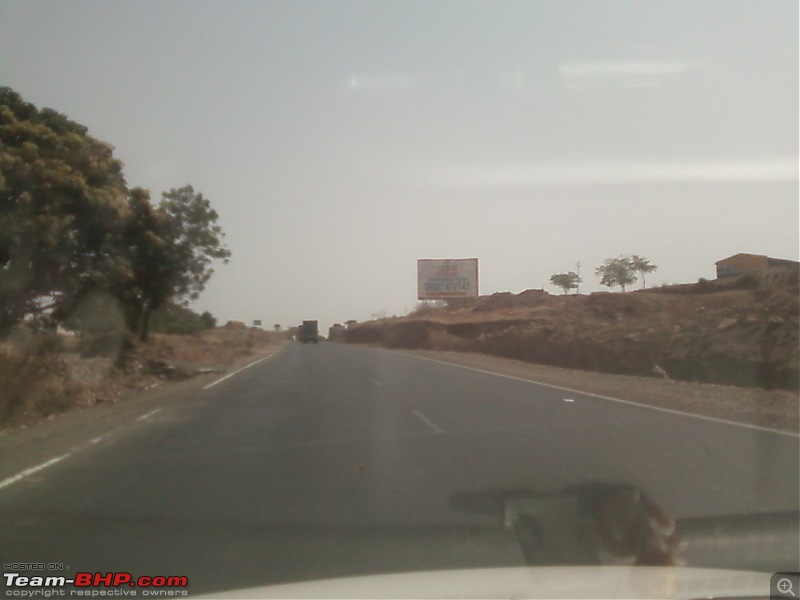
column 37, row 385
column 704, row 333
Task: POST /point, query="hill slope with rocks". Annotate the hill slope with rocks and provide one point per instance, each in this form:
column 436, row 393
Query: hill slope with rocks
column 743, row 333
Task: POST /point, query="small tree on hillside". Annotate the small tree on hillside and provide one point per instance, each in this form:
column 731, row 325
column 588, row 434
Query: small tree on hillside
column 642, row 266
column 208, row 319
column 617, row 271
column 566, row 281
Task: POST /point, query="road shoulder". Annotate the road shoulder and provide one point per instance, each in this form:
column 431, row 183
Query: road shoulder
column 773, row 409
column 27, row 447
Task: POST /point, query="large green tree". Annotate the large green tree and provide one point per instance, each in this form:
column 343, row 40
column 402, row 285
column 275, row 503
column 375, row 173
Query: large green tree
column 73, row 235
column 172, row 249
column 62, row 206
column 617, row 271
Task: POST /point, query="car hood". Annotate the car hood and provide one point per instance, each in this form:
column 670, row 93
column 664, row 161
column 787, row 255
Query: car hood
column 529, row 582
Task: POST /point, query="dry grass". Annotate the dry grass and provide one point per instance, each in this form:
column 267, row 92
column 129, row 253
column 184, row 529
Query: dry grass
column 37, row 384
column 214, row 348
column 33, row 385
column 733, row 337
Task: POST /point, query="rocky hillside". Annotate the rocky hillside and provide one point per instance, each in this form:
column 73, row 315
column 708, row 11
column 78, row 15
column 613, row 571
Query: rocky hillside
column 745, row 333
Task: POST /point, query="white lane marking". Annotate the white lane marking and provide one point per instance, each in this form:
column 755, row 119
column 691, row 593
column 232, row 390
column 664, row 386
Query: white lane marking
column 148, row 415
column 376, row 382
column 44, row 465
column 422, row 417
column 221, row 379
column 568, row 400
column 611, row 398
column 32, row 470
column 27, row 472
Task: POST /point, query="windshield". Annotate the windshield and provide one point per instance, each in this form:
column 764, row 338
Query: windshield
column 301, row 290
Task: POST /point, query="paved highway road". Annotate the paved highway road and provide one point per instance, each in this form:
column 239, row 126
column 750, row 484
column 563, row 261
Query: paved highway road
column 333, row 460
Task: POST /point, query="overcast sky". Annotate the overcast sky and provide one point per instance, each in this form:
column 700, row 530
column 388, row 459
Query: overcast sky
column 341, row 141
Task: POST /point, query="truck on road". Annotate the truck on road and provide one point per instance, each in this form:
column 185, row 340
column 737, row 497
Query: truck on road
column 308, row 332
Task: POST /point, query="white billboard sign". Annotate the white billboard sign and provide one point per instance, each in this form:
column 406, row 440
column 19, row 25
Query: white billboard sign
column 439, row 279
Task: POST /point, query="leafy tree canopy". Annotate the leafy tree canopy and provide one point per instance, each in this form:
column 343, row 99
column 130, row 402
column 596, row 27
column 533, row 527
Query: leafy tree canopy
column 642, row 266
column 73, row 237
column 617, row 271
column 566, row 281
column 172, row 249
column 62, row 200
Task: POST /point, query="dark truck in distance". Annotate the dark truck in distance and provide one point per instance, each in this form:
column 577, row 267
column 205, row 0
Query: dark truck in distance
column 308, row 332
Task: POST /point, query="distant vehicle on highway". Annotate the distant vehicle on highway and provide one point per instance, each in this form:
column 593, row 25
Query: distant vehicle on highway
column 308, row 332
column 336, row 332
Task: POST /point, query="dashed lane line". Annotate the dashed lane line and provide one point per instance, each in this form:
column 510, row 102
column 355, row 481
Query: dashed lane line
column 424, row 418
column 28, row 472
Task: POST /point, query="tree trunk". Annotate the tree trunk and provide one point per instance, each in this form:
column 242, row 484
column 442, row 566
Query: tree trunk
column 133, row 318
column 145, row 324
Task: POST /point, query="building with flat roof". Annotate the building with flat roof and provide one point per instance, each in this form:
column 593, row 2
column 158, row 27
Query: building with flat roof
column 758, row 264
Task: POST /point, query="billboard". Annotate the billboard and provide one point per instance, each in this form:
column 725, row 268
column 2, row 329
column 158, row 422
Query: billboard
column 439, row 279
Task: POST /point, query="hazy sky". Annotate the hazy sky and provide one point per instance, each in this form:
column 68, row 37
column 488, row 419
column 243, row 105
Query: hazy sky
column 342, row 141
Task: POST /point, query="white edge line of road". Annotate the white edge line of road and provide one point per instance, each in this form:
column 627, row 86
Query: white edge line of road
column 32, row 470
column 52, row 461
column 229, row 375
column 630, row 402
column 148, row 415
column 27, row 472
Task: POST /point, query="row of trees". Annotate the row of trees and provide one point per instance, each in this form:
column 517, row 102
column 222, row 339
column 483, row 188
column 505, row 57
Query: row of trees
column 71, row 227
column 621, row 271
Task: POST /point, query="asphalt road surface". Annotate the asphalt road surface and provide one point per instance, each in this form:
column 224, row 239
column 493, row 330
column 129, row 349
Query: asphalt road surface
column 332, row 460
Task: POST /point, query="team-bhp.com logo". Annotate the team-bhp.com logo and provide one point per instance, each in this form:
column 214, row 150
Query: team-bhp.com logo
column 118, row 583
